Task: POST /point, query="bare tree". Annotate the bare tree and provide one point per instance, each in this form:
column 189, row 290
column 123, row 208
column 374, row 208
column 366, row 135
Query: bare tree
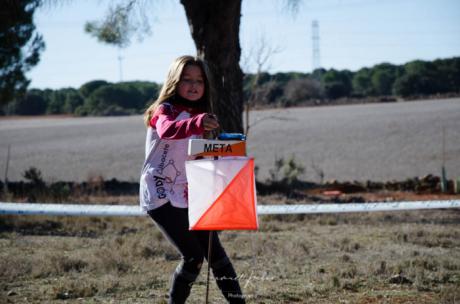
column 259, row 55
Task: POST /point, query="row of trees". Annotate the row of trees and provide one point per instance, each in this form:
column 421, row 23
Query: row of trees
column 416, row 78
column 95, row 98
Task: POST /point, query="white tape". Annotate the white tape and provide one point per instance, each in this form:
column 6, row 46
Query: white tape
column 69, row 209
column 356, row 207
column 130, row 210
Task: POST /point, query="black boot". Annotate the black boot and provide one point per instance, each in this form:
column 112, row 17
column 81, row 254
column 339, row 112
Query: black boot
column 227, row 281
column 180, row 289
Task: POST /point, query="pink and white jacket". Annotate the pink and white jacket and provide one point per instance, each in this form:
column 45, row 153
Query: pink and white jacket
column 163, row 176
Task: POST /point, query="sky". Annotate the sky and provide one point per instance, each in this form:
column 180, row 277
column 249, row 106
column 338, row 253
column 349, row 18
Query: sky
column 352, row 34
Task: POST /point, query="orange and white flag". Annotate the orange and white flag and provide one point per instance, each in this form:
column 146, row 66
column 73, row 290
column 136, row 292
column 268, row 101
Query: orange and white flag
column 221, row 194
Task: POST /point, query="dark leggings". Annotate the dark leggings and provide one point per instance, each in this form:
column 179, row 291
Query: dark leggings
column 193, row 247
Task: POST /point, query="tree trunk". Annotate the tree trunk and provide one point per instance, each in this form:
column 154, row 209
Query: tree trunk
column 215, row 27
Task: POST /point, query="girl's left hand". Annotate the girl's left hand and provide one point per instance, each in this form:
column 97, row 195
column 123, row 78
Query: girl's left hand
column 210, row 122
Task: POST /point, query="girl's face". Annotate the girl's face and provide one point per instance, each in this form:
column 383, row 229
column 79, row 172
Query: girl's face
column 191, row 84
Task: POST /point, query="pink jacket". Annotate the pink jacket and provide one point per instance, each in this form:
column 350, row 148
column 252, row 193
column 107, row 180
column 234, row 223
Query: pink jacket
column 163, row 176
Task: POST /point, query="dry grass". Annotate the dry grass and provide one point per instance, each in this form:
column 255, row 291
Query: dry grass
column 406, row 257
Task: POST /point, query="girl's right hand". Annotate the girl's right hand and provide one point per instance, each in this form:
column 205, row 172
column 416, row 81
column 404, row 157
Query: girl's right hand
column 210, row 122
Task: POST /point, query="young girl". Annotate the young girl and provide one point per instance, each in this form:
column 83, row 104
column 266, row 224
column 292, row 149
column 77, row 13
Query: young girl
column 180, row 113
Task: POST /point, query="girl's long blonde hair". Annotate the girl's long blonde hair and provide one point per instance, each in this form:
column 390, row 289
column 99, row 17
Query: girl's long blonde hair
column 168, row 90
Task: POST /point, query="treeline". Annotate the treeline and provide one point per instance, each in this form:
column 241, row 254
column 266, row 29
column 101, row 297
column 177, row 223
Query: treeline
column 414, row 79
column 95, row 98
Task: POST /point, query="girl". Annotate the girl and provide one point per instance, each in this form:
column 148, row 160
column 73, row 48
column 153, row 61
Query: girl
column 180, row 113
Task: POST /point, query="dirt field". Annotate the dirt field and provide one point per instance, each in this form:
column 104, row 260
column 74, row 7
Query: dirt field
column 392, row 257
column 357, row 142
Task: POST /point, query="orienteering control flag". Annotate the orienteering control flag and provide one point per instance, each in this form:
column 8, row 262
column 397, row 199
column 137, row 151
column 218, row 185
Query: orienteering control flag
column 221, row 194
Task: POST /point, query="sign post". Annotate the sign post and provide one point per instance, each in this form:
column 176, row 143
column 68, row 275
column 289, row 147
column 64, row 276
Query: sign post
column 221, row 188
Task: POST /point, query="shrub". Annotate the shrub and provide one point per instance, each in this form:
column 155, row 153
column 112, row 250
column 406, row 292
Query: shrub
column 286, row 171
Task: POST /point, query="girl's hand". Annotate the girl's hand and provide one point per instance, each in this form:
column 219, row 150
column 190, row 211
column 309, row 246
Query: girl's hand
column 210, row 122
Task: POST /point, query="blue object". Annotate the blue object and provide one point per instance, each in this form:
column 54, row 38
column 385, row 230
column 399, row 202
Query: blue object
column 231, row 136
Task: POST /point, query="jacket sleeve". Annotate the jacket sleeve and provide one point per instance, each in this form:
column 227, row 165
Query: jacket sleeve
column 167, row 127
